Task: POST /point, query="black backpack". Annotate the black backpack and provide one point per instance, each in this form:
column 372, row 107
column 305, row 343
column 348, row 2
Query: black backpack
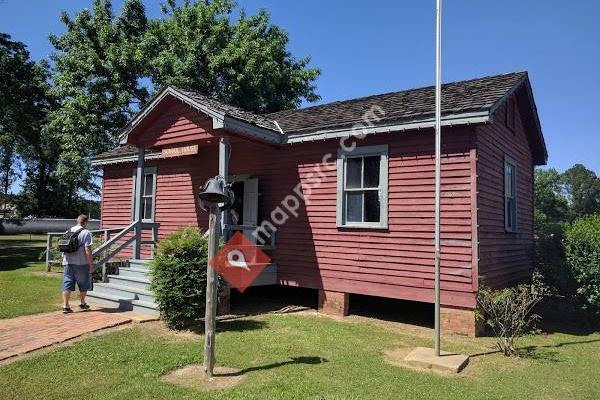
column 69, row 241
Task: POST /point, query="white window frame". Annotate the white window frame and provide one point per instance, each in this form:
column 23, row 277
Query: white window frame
column 510, row 226
column 147, row 171
column 363, row 151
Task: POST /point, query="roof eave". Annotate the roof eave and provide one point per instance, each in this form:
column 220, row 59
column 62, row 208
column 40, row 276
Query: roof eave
column 220, row 120
column 413, row 124
column 98, row 162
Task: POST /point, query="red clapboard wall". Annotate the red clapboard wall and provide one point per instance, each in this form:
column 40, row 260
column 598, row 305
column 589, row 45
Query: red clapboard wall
column 311, row 251
column 177, row 184
column 505, row 258
column 398, row 262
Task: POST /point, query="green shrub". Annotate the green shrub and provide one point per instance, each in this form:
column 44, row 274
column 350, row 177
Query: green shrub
column 582, row 248
column 179, row 277
column 550, row 264
column 509, row 313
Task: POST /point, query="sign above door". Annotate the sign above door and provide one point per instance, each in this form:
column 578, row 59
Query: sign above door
column 179, row 151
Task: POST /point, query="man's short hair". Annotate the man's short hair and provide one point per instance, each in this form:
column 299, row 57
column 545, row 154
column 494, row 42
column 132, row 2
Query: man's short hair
column 82, row 219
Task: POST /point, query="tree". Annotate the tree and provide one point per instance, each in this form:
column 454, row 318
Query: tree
column 96, row 72
column 24, row 103
column 583, row 190
column 244, row 63
column 550, row 198
column 559, row 200
column 103, row 62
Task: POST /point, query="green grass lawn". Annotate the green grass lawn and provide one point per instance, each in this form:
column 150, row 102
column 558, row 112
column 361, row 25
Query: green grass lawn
column 24, row 286
column 304, row 356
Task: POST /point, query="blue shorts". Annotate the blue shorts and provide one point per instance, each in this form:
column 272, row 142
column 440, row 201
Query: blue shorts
column 77, row 273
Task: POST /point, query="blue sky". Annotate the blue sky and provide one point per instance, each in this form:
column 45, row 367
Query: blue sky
column 366, row 48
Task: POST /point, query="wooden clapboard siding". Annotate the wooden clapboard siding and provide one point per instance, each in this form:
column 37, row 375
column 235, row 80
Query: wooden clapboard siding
column 504, row 258
column 312, row 251
column 178, row 179
column 177, row 183
column 116, row 203
column 178, row 123
column 396, row 262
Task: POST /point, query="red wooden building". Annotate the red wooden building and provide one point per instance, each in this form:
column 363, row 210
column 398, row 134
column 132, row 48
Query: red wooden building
column 342, row 194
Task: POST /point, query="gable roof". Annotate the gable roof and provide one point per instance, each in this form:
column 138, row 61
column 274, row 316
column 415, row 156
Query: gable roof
column 464, row 102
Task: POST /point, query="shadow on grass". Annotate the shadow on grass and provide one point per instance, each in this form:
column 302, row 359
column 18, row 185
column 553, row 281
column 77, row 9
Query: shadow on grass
column 13, row 258
column 543, row 352
column 308, row 360
column 231, row 325
column 240, row 325
column 581, row 327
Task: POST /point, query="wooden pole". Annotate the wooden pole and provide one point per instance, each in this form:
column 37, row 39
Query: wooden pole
column 139, row 206
column 214, row 229
column 210, row 313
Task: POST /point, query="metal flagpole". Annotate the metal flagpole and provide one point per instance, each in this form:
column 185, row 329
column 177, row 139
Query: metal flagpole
column 438, row 140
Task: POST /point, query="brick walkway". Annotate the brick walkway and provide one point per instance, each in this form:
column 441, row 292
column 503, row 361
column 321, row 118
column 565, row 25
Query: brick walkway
column 32, row 332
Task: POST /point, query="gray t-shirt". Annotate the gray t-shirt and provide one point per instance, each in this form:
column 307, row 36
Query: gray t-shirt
column 78, row 257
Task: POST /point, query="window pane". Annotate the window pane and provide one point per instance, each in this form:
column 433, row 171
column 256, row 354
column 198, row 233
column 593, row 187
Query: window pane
column 148, row 185
column 511, row 214
column 513, row 180
column 372, row 206
column 147, row 208
column 371, row 171
column 353, row 172
column 509, row 179
column 354, row 204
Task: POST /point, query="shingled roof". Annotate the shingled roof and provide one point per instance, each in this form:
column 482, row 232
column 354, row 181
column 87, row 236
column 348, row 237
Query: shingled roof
column 460, row 101
column 231, row 111
column 458, row 97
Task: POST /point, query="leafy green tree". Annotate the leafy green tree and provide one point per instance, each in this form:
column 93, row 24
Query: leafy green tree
column 582, row 246
column 550, row 198
column 244, row 63
column 103, row 64
column 96, row 72
column 23, row 104
column 583, row 189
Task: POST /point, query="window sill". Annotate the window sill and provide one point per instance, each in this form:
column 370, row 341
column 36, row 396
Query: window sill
column 359, row 225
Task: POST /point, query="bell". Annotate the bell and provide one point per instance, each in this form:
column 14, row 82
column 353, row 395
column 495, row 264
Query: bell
column 215, row 190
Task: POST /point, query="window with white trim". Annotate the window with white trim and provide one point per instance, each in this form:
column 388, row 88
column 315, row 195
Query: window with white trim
column 148, row 194
column 362, row 187
column 510, row 195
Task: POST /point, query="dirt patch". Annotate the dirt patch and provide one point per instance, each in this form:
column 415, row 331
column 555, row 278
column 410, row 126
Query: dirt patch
column 193, row 376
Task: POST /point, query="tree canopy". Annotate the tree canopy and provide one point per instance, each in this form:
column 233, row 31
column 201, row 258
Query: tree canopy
column 105, row 66
column 564, row 197
column 102, row 61
column 23, row 105
column 96, row 72
column 243, row 62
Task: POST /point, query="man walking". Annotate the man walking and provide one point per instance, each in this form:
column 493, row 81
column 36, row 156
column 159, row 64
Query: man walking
column 78, row 266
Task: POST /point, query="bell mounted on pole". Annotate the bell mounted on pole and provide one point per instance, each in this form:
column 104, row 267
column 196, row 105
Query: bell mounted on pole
column 216, row 191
